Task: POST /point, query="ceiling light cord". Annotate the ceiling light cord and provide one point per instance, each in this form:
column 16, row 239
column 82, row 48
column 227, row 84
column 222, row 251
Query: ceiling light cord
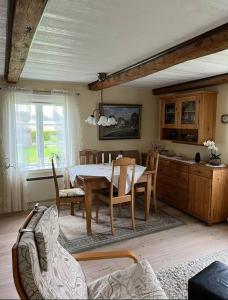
column 103, row 120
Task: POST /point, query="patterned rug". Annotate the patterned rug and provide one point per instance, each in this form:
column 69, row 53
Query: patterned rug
column 73, row 235
column 174, row 280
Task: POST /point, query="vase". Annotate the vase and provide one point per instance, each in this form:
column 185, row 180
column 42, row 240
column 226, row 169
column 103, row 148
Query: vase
column 197, row 157
column 215, row 161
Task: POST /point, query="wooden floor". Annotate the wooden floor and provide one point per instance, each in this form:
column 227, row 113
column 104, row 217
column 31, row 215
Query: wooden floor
column 161, row 249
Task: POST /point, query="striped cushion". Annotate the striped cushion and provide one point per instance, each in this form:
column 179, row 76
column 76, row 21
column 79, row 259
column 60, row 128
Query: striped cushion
column 75, row 192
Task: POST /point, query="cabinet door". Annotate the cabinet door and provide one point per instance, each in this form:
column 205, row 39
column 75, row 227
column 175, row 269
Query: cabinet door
column 169, row 114
column 200, row 196
column 171, row 193
column 188, row 112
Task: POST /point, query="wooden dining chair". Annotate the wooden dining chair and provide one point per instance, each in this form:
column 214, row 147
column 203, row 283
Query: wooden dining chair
column 88, row 156
column 152, row 161
column 118, row 196
column 64, row 196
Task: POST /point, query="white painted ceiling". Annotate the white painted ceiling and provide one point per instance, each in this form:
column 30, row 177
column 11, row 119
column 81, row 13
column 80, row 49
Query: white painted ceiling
column 78, row 38
column 3, row 18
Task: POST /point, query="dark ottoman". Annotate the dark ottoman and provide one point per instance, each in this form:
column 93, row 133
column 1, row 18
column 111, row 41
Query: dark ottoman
column 209, row 284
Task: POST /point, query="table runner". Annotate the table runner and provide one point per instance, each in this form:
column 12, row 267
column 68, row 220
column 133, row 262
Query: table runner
column 105, row 170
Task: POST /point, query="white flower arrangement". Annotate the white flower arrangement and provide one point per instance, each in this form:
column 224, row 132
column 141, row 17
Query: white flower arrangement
column 211, row 146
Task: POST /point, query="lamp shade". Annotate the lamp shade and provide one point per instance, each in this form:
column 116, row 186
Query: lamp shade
column 111, row 121
column 91, row 120
column 103, row 121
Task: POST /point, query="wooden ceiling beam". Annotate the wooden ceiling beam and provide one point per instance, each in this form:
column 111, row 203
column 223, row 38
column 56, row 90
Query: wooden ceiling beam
column 23, row 19
column 207, row 43
column 194, row 84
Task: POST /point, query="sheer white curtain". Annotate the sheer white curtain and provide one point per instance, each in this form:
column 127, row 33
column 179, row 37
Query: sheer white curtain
column 13, row 189
column 15, row 139
column 72, row 129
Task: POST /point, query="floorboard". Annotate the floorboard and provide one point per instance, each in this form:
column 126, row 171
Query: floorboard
column 161, row 249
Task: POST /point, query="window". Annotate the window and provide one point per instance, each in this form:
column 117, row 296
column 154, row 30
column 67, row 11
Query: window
column 40, row 133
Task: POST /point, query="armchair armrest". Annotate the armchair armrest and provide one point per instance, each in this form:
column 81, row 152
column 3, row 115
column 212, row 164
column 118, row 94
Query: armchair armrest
column 105, row 255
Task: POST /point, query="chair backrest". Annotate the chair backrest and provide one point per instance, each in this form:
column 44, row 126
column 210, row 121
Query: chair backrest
column 61, row 277
column 88, row 156
column 115, row 153
column 152, row 161
column 55, row 178
column 123, row 164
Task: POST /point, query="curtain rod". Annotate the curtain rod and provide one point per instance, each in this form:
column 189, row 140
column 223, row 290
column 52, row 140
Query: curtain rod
column 36, row 91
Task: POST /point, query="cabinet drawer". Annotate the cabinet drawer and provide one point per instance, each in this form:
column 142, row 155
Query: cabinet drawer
column 167, row 164
column 201, row 171
column 179, row 176
column 173, row 180
column 164, row 162
column 180, row 167
column 173, row 196
column 180, row 199
column 164, row 166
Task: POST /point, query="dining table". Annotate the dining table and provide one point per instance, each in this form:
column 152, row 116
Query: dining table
column 93, row 177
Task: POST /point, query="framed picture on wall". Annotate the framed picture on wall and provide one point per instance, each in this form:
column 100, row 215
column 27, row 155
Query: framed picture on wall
column 128, row 117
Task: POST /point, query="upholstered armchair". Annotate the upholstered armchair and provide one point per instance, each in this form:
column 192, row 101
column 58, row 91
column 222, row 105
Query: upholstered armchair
column 43, row 269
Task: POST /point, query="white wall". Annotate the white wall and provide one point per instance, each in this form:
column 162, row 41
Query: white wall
column 88, row 101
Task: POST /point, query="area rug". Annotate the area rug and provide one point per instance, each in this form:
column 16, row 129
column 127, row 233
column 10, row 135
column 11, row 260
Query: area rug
column 73, row 235
column 174, row 280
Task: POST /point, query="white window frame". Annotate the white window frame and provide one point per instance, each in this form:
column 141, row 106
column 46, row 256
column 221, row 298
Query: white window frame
column 39, row 101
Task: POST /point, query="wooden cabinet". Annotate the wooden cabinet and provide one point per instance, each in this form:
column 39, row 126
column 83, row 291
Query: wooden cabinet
column 193, row 188
column 188, row 118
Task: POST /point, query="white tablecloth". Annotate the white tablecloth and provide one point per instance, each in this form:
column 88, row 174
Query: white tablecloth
column 105, row 170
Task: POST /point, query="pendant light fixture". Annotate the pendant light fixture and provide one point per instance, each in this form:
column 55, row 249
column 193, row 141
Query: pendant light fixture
column 103, row 120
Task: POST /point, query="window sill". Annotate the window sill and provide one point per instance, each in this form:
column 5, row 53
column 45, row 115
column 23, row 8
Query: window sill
column 43, row 178
column 42, row 173
column 37, row 170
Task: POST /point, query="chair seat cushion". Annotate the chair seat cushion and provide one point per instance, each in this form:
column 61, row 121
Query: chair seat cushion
column 135, row 282
column 75, row 192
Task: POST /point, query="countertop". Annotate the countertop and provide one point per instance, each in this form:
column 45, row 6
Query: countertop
column 192, row 162
column 177, row 158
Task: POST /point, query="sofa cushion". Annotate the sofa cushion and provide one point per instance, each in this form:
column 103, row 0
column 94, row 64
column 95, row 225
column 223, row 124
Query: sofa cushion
column 135, row 282
column 46, row 236
column 63, row 279
column 24, row 259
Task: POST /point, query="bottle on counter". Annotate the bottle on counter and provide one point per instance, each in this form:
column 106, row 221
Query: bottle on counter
column 197, row 157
